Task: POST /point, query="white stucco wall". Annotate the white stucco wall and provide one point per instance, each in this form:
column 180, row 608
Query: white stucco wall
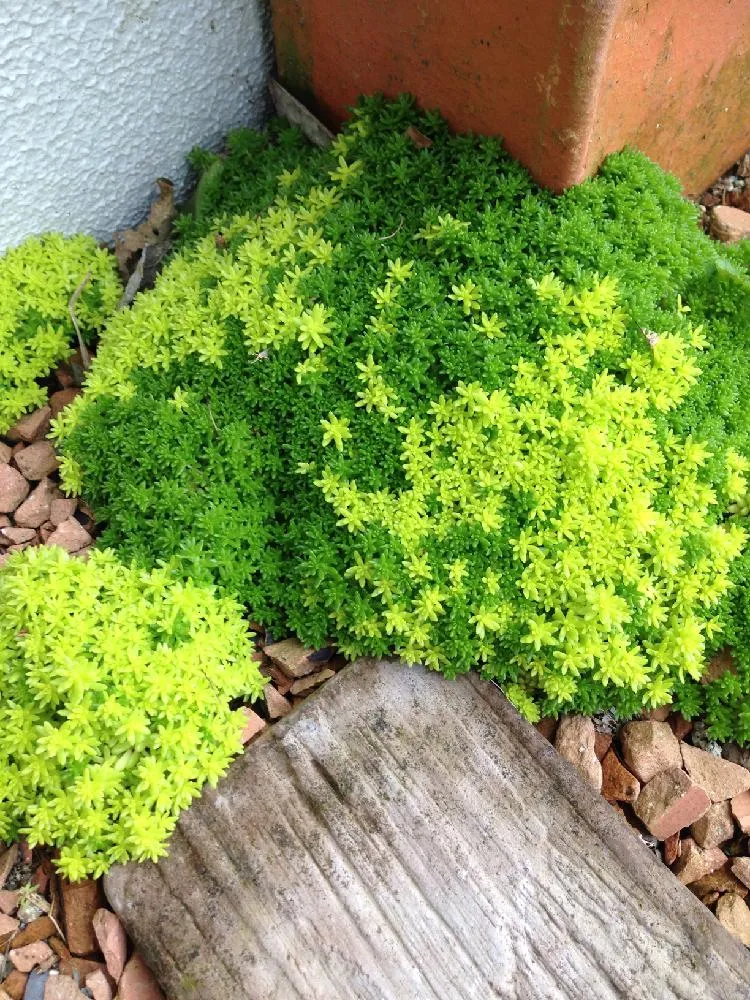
column 98, row 98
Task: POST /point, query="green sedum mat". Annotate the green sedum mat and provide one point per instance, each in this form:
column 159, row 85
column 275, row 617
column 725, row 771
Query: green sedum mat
column 403, row 399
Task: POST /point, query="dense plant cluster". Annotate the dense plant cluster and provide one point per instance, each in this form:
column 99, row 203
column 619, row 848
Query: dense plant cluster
column 116, row 687
column 37, row 280
column 385, row 395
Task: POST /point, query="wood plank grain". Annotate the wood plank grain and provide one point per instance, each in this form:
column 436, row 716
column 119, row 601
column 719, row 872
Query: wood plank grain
column 404, row 837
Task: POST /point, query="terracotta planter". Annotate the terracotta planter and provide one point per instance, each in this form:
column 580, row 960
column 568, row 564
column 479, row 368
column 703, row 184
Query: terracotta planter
column 563, row 81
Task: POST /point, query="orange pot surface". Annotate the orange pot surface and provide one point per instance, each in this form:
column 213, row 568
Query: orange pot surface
column 563, row 81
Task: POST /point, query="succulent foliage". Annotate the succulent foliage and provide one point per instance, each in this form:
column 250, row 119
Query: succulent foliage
column 37, row 280
column 115, row 710
column 402, row 398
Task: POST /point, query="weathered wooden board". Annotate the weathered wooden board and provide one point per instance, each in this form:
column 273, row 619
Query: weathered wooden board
column 404, row 837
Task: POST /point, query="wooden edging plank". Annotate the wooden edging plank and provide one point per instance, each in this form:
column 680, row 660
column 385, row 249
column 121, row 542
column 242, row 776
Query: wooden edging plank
column 404, row 836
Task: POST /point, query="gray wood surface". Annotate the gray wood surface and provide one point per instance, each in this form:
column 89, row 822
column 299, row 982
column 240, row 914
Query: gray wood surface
column 287, row 106
column 404, row 837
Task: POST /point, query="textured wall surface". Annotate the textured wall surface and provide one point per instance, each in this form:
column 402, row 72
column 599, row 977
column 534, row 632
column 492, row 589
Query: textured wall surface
column 97, row 99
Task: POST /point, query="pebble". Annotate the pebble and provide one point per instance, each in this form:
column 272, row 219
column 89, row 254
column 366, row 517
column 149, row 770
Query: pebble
column 36, row 985
column 34, row 511
column 37, row 461
column 721, row 880
column 253, row 725
column 719, row 778
column 574, row 741
column 17, row 536
column 27, row 958
column 8, row 925
column 312, row 681
column 80, row 901
column 740, row 806
column 31, row 427
column 276, row 703
column 648, row 748
column 5, row 452
column 734, row 914
column 98, row 984
column 8, row 901
column 37, row 930
column 714, row 827
column 741, row 869
column 695, row 863
column 13, row 489
column 62, row 398
column 113, row 942
column 62, row 988
column 291, row 657
column 672, row 849
column 61, row 509
column 729, row 225
column 70, row 535
column 670, row 802
column 618, row 783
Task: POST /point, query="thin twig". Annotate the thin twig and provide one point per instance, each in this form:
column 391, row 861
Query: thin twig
column 85, row 356
column 395, row 231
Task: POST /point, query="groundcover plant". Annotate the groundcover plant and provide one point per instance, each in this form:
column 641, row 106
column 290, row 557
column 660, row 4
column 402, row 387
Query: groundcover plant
column 37, row 281
column 395, row 396
column 117, row 685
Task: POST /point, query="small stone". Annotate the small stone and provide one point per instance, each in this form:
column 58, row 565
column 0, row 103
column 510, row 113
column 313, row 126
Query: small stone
column 15, row 984
column 17, row 536
column 253, row 725
column 740, row 806
column 714, row 827
column 62, row 988
column 721, row 880
column 37, row 461
column 13, row 489
column 31, row 427
column 602, row 743
column 695, row 863
column 670, row 802
column 729, row 225
column 672, row 849
column 99, row 986
column 5, row 452
column 80, row 900
column 35, row 511
column 618, row 784
column 741, row 869
column 649, row 748
column 137, row 982
column 113, row 942
column 719, row 778
column 38, row 930
column 311, row 681
column 62, row 398
column 70, row 535
column 27, row 958
column 575, row 742
column 291, row 657
column 276, row 703
column 8, row 925
column 734, row 914
column 61, row 509
column 8, row 901
column 719, row 664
